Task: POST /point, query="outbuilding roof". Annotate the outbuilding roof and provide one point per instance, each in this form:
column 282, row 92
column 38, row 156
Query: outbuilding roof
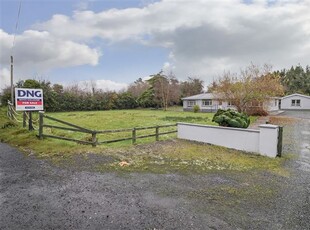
column 295, row 94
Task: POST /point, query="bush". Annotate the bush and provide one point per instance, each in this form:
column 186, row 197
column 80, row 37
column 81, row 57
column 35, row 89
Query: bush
column 196, row 108
column 230, row 118
column 257, row 112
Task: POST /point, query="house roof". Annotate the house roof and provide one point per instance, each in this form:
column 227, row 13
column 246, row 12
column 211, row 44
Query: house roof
column 296, row 94
column 200, row 96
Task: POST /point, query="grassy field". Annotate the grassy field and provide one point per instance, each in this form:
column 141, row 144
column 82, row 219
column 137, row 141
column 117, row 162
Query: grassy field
column 99, row 120
column 122, row 119
column 168, row 155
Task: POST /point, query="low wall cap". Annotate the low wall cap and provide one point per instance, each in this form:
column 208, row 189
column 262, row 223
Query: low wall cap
column 268, row 126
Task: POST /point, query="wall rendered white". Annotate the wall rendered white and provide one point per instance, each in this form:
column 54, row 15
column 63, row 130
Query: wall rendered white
column 263, row 141
column 272, row 105
column 227, row 137
column 286, row 103
column 268, row 140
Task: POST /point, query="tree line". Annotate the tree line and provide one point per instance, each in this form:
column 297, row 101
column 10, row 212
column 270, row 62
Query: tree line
column 250, row 89
column 252, row 85
column 295, row 80
column 160, row 91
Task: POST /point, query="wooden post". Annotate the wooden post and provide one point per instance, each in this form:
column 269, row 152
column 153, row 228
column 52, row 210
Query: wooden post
column 280, row 140
column 133, row 135
column 30, row 121
column 24, row 119
column 9, row 110
column 41, row 114
column 94, row 139
column 157, row 133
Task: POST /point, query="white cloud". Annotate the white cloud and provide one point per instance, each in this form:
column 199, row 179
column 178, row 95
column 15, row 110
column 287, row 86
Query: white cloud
column 204, row 37
column 104, row 85
column 42, row 51
column 5, row 78
column 45, row 50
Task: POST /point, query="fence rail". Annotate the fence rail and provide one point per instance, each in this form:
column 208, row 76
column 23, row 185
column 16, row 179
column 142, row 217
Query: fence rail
column 94, row 140
column 25, row 117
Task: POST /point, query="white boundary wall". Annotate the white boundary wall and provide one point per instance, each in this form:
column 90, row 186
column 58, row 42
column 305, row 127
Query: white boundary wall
column 263, row 141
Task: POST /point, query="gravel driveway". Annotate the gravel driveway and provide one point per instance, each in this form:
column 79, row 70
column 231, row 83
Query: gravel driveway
column 35, row 194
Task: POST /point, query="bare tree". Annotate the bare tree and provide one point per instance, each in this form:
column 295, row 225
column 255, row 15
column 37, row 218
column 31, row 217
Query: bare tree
column 254, row 85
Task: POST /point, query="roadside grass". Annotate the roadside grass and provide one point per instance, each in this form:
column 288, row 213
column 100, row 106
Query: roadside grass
column 180, row 156
column 169, row 155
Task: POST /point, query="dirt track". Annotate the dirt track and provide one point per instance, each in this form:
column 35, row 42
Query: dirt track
column 35, row 194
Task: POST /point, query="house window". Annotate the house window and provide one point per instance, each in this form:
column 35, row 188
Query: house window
column 230, row 103
column 275, row 103
column 296, row 102
column 207, row 102
column 191, row 103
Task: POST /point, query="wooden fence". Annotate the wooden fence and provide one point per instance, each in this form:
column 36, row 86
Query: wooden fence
column 24, row 117
column 94, row 140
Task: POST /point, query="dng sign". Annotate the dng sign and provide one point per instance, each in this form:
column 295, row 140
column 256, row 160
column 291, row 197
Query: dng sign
column 28, row 99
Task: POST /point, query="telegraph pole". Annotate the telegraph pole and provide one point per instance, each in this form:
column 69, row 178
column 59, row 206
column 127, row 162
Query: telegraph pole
column 12, row 88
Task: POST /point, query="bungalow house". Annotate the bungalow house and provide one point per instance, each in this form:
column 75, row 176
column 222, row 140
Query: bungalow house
column 295, row 101
column 208, row 102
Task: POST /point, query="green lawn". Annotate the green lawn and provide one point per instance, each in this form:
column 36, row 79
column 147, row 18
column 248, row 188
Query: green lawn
column 117, row 119
column 168, row 155
column 122, row 119
column 99, row 120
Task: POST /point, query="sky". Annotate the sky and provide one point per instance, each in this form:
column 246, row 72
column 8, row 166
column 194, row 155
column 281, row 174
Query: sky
column 112, row 43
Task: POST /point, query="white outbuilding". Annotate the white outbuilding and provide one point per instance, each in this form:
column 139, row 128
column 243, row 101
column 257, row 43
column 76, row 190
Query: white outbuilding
column 295, row 101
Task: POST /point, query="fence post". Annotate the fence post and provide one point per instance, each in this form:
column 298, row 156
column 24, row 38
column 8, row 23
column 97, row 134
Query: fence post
column 41, row 114
column 24, row 119
column 30, row 121
column 94, row 139
column 157, row 133
column 280, row 138
column 133, row 135
column 9, row 110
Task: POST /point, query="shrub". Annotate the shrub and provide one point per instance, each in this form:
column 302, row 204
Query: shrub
column 196, row 108
column 230, row 118
column 257, row 112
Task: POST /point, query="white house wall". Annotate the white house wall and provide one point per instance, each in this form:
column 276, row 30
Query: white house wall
column 272, row 105
column 286, row 103
column 214, row 107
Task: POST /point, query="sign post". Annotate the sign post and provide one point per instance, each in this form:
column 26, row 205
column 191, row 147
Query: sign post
column 29, row 100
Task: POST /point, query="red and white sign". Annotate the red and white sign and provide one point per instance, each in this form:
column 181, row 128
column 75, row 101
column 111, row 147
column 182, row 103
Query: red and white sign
column 28, row 99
